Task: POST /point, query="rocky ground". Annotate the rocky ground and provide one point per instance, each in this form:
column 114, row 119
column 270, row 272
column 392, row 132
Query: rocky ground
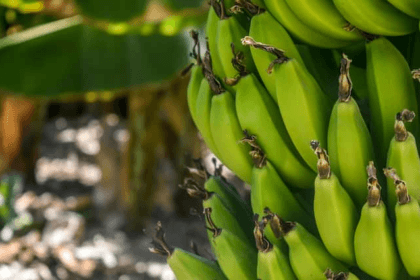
column 59, row 227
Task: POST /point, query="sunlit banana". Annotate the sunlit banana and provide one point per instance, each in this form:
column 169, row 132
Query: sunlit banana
column 227, row 132
column 231, row 32
column 236, row 257
column 308, row 256
column 212, row 27
column 330, row 275
column 196, row 78
column 335, row 213
column 272, row 262
column 324, row 17
column 258, row 114
column 186, row 265
column 376, row 17
column 349, row 142
column 391, row 89
column 374, row 244
column 275, row 36
column 403, row 156
column 302, row 102
column 285, row 15
column 407, row 228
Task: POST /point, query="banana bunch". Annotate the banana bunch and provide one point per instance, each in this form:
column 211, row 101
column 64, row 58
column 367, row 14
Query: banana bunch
column 305, row 101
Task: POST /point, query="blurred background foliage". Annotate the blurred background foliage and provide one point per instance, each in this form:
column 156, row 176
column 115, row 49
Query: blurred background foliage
column 95, row 51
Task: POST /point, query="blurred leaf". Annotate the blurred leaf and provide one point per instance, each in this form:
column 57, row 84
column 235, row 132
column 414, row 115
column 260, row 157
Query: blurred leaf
column 66, row 57
column 113, row 10
column 25, row 6
column 183, row 4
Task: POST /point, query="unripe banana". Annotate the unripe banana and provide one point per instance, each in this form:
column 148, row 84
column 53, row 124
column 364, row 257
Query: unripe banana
column 376, row 17
column 269, row 190
column 301, row 101
column 349, row 142
column 236, row 257
column 374, row 244
column 258, row 114
column 275, row 36
column 407, row 228
column 403, row 156
column 212, row 29
column 323, row 16
column 302, row 104
column 391, row 90
column 186, row 265
column 231, row 219
column 335, row 213
column 272, row 262
column 202, row 110
column 231, row 32
column 228, row 193
column 322, row 65
column 308, row 256
column 330, row 275
column 284, row 14
column 196, row 78
column 227, row 132
column 410, row 7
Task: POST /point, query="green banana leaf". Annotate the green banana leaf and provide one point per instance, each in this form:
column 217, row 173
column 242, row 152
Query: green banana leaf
column 183, row 4
column 113, row 10
column 67, row 56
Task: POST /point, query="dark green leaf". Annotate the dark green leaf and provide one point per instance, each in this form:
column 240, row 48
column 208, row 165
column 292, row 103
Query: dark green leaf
column 183, row 4
column 113, row 10
column 67, row 57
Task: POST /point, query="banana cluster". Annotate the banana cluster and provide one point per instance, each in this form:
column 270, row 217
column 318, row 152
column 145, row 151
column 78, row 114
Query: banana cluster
column 272, row 94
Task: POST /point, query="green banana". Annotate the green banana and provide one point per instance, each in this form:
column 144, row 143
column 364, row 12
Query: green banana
column 335, row 213
column 226, row 131
column 275, row 36
column 330, row 275
column 407, row 228
column 272, row 262
column 196, row 78
column 301, row 101
column 228, row 193
column 231, row 32
column 185, row 265
column 302, row 104
column 258, row 114
column 269, row 190
column 376, row 17
column 212, row 27
column 324, row 17
column 323, row 67
column 403, row 156
column 374, row 244
column 285, row 15
column 236, row 257
column 308, row 256
column 410, row 7
column 234, row 220
column 391, row 89
column 202, row 109
column 349, row 142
